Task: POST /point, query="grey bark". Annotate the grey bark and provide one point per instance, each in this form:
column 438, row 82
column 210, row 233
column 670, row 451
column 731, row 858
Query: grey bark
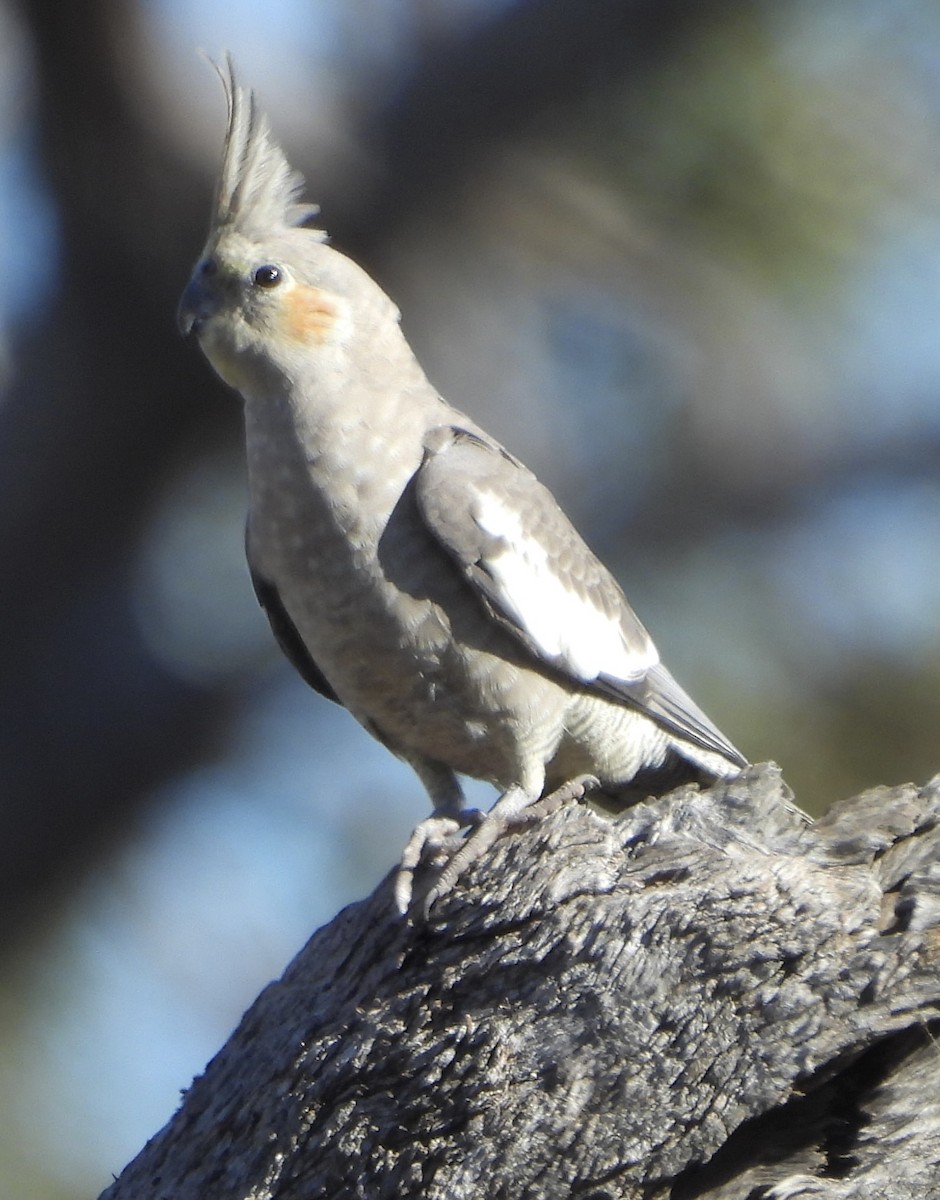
column 704, row 996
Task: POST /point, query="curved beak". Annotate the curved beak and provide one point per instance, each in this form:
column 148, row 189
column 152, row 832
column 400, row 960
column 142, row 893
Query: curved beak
column 197, row 304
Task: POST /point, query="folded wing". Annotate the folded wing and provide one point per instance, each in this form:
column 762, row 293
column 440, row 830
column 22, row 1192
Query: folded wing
column 539, row 579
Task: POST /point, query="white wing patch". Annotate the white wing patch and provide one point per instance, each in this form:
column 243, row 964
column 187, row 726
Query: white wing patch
column 563, row 625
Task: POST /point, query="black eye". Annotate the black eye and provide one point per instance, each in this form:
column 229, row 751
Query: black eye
column 268, row 276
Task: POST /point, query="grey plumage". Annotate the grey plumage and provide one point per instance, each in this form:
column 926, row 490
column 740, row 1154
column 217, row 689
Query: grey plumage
column 258, row 192
column 412, row 568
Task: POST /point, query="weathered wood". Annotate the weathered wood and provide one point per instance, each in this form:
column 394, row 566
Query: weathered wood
column 703, row 997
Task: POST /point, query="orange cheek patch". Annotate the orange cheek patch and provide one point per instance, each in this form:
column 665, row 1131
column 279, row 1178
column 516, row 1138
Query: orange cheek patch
column 309, row 314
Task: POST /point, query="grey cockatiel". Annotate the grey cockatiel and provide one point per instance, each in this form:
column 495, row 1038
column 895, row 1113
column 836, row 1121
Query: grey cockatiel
column 413, row 569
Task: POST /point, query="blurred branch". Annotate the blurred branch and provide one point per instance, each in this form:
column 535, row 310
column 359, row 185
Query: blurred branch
column 776, row 498
column 703, row 997
column 534, row 61
column 103, row 398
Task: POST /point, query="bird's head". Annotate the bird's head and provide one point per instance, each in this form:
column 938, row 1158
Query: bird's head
column 268, row 296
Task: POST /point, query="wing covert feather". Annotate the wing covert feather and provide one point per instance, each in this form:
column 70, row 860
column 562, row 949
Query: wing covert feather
column 537, row 576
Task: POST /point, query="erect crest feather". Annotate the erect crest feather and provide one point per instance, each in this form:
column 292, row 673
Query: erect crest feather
column 258, row 192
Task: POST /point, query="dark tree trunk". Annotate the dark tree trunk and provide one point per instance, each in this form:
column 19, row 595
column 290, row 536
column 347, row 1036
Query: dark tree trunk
column 703, row 997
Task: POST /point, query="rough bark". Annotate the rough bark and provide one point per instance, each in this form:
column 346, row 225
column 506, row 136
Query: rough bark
column 704, row 996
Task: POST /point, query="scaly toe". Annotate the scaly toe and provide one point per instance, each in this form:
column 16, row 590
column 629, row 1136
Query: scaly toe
column 574, row 789
column 472, row 849
column 435, row 840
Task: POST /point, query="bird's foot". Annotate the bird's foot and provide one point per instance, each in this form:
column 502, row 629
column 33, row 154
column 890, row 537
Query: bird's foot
column 515, row 809
column 434, row 841
column 574, row 789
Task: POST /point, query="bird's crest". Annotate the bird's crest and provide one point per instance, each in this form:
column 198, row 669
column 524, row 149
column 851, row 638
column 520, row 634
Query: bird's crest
column 258, row 192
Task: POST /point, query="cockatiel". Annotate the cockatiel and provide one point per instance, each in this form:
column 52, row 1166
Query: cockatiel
column 413, row 569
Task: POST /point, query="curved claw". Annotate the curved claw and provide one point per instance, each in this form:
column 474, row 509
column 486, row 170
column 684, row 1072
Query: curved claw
column 434, row 837
column 476, row 845
column 515, row 809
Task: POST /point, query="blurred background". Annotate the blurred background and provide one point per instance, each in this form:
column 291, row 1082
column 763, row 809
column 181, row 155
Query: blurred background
column 684, row 258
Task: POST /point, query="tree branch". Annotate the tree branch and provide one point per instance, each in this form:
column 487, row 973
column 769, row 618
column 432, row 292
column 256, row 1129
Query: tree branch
column 702, row 997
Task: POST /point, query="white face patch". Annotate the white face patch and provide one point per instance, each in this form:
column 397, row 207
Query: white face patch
column 564, row 626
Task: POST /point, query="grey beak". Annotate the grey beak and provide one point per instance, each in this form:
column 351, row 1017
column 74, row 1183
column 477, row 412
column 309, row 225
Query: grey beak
column 197, row 304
